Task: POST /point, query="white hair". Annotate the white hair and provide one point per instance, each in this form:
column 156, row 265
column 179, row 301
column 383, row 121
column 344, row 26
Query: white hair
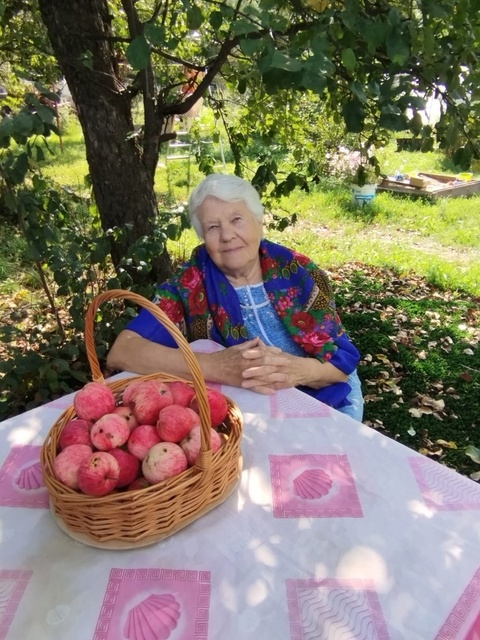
column 227, row 188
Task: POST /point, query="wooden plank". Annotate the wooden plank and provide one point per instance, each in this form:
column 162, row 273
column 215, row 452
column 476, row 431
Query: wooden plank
column 442, row 187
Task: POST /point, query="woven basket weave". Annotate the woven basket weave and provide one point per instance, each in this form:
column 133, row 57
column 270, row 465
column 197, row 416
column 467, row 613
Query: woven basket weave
column 128, row 519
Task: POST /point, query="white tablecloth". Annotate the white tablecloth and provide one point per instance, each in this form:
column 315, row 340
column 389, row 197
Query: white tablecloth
column 334, row 532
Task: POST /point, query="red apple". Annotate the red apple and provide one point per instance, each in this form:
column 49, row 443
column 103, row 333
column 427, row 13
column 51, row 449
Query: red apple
column 164, row 460
column 93, row 401
column 110, row 431
column 146, row 398
column 75, row 432
column 67, row 462
column 182, row 392
column 142, row 439
column 129, row 467
column 191, row 444
column 138, row 483
column 98, row 474
column 175, row 422
column 127, row 413
column 218, row 406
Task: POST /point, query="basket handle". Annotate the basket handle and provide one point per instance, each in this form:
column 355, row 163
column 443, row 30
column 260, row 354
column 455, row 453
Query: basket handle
column 198, row 379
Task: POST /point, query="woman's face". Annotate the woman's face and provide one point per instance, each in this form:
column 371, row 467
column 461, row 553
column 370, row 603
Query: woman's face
column 232, row 236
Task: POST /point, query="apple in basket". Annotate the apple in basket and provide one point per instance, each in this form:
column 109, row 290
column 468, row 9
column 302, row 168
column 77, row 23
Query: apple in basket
column 75, row 432
column 98, row 474
column 142, row 439
column 191, row 444
column 218, row 406
column 67, row 462
column 109, row 431
column 93, row 401
column 138, row 483
column 129, row 467
column 182, row 392
column 175, row 422
column 146, row 398
column 164, row 460
column 127, row 413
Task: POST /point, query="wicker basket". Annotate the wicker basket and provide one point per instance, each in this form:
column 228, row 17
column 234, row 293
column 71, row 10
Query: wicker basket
column 128, row 519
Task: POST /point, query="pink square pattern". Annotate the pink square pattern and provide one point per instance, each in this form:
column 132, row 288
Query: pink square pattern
column 332, row 609
column 21, row 479
column 442, row 488
column 283, row 405
column 12, row 586
column 463, row 623
column 175, row 603
column 313, row 486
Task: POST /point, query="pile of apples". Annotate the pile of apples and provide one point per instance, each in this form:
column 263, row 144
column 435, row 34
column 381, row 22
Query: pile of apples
column 150, row 434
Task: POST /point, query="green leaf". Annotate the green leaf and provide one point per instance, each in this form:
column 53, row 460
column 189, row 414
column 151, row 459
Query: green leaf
column 244, row 27
column 87, row 59
column 19, row 169
column 313, row 81
column 23, row 124
column 392, row 120
column 282, row 61
column 138, row 53
column 40, row 154
column 415, row 125
column 194, row 18
column 359, row 92
column 46, row 92
column 349, row 59
column 47, row 114
column 249, row 46
column 354, row 116
column 473, row 453
column 398, row 48
column 216, row 20
column 155, row 34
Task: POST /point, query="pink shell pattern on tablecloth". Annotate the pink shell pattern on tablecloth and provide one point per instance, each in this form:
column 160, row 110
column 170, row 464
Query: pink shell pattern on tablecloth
column 153, row 619
column 334, row 484
column 155, row 604
column 463, row 622
column 284, row 404
column 312, row 484
column 442, row 488
column 21, row 480
column 334, row 609
column 12, row 586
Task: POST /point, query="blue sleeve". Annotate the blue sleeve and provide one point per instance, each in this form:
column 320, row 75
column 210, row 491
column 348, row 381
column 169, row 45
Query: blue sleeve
column 147, row 326
column 347, row 356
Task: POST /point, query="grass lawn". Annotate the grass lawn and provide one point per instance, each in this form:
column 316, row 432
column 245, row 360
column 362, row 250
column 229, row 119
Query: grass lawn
column 406, row 275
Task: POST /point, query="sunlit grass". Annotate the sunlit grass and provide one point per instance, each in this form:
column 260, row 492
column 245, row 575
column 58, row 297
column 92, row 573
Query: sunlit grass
column 438, row 240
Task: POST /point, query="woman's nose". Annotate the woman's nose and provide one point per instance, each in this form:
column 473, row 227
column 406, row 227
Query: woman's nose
column 226, row 233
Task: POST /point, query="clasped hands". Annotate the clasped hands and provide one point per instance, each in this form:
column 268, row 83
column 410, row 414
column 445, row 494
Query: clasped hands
column 257, row 366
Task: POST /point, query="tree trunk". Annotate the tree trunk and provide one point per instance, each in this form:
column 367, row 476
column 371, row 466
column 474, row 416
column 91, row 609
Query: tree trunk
column 82, row 39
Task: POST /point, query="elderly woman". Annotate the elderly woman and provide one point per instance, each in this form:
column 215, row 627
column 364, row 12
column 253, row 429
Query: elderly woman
column 271, row 307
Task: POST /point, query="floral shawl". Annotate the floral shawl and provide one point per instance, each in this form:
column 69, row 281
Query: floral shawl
column 203, row 304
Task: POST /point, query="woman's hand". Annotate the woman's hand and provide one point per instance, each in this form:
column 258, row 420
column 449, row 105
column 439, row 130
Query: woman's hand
column 270, row 369
column 229, row 365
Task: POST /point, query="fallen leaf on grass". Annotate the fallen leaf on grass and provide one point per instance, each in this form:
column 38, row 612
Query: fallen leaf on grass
column 449, row 445
column 473, row 453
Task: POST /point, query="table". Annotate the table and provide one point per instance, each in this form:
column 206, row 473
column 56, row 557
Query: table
column 437, row 186
column 387, row 546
